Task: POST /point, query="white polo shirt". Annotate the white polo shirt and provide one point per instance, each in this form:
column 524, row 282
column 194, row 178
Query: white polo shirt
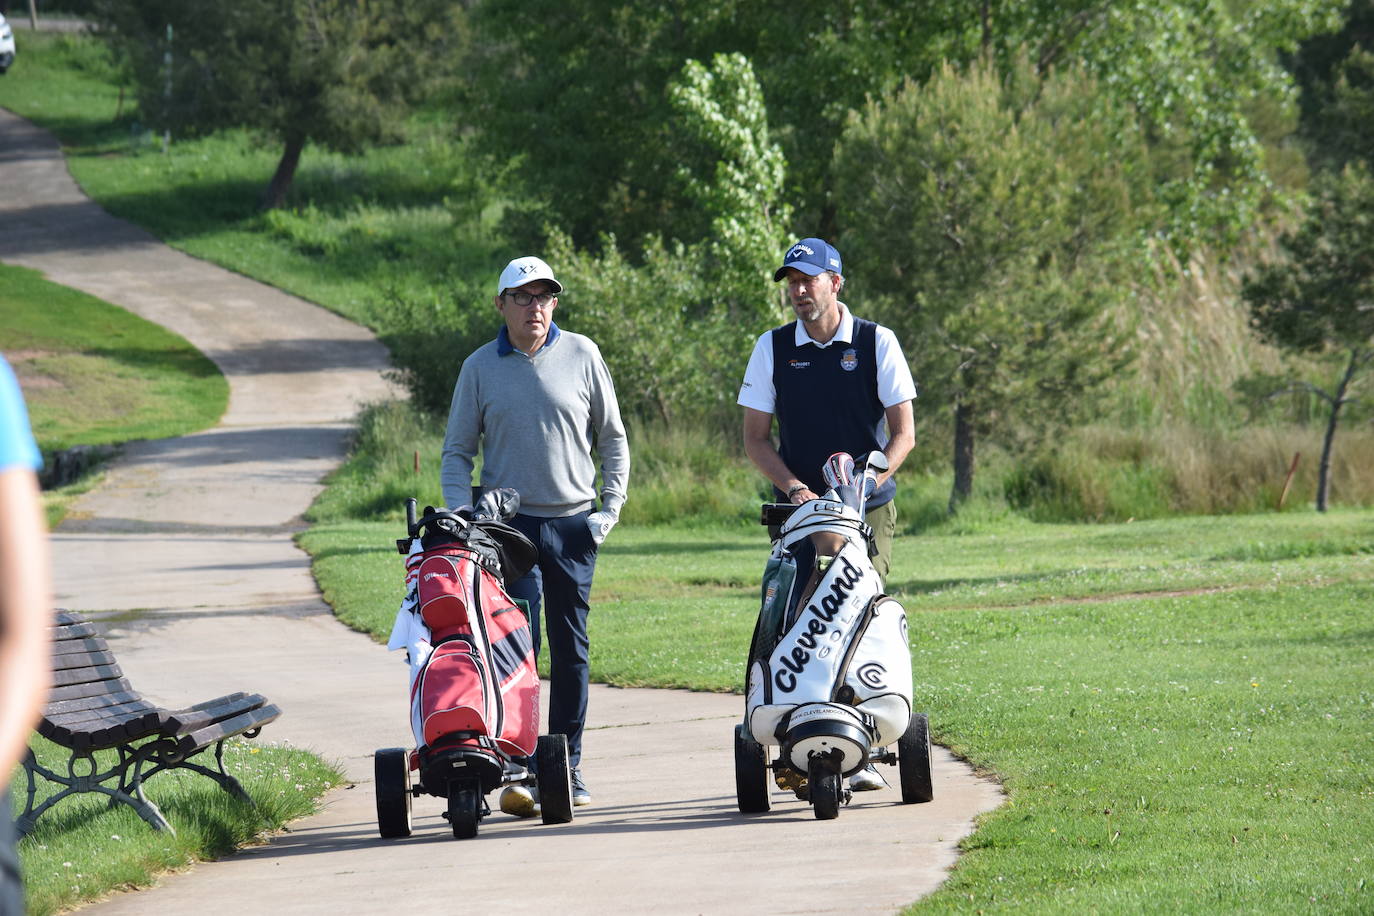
column 895, row 383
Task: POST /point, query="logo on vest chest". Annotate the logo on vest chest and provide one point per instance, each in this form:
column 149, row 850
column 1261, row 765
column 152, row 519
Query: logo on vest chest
column 849, row 360
column 799, row 363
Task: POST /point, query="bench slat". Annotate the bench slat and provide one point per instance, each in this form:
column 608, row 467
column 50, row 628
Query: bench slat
column 85, row 659
column 100, row 733
column 89, row 689
column 228, row 728
column 67, row 708
column 81, row 630
column 183, row 721
column 86, row 675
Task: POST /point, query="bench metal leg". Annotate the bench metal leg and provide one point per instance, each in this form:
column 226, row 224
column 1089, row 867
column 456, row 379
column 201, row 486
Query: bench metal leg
column 165, row 759
column 90, row 781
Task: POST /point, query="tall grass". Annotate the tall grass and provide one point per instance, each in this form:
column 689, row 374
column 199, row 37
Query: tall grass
column 1104, row 473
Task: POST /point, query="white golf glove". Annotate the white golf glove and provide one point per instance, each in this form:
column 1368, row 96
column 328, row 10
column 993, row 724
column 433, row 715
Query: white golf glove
column 601, row 524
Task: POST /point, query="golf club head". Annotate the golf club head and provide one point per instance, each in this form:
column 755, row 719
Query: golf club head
column 838, row 469
column 875, row 463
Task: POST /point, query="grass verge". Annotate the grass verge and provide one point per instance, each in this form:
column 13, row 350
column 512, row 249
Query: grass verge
column 81, row 850
column 1179, row 709
column 96, row 374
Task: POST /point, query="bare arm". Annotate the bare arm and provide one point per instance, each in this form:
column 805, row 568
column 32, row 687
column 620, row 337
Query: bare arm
column 25, row 613
column 758, row 445
column 901, row 428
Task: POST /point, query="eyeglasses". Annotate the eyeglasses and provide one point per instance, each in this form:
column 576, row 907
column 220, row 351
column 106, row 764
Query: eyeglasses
column 525, row 300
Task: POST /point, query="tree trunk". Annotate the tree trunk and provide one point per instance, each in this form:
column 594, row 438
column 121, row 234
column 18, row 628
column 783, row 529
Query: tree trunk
column 275, row 195
column 1337, row 401
column 963, row 455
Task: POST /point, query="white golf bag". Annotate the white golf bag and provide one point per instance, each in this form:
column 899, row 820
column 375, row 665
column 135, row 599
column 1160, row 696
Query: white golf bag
column 829, row 672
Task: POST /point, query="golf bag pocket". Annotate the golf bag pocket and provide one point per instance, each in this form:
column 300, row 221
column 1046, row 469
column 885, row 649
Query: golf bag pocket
column 452, row 694
column 877, row 677
column 445, row 593
column 780, row 593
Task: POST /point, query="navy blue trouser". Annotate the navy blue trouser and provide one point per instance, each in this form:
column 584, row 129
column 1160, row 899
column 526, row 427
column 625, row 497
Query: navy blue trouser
column 562, row 578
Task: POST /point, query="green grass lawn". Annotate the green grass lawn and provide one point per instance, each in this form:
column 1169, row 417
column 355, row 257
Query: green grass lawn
column 81, row 849
column 1180, row 710
column 413, row 222
column 95, row 374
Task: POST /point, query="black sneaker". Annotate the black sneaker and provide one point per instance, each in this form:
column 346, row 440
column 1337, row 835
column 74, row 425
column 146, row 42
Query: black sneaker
column 580, row 795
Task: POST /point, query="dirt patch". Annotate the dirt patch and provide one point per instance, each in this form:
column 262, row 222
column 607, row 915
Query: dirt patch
column 31, row 379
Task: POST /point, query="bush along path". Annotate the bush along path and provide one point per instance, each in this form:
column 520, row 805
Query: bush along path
column 186, row 550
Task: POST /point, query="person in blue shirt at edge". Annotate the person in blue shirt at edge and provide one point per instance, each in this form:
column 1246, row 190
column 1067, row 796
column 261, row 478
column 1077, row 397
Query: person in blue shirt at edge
column 834, row 382
column 25, row 613
column 541, row 402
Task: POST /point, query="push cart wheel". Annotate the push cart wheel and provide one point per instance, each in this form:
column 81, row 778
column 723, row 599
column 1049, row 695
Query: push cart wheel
column 464, row 807
column 391, row 769
column 751, row 773
column 913, row 761
column 824, row 782
column 555, row 779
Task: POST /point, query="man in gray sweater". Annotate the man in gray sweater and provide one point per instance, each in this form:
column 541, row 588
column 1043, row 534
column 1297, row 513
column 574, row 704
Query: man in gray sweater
column 540, row 403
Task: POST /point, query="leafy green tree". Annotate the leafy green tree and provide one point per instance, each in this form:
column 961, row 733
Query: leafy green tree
column 992, row 223
column 676, row 325
column 1335, row 73
column 341, row 73
column 1320, row 297
column 579, row 89
column 1194, row 71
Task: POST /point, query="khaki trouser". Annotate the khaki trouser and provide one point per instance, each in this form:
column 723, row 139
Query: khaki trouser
column 883, row 521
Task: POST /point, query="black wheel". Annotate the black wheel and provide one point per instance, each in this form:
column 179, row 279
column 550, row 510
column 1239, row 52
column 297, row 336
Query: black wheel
column 751, row 773
column 464, row 806
column 913, row 761
column 555, row 779
column 824, row 782
column 391, row 769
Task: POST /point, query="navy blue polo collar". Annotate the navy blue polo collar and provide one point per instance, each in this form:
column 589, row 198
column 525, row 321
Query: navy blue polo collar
column 504, row 347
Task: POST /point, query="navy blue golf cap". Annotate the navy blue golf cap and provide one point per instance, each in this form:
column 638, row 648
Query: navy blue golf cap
column 810, row 256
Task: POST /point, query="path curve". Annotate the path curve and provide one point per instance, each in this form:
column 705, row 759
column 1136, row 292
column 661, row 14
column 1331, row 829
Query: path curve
column 195, row 533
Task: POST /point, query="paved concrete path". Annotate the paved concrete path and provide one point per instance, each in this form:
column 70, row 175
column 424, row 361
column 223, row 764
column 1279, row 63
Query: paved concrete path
column 195, row 534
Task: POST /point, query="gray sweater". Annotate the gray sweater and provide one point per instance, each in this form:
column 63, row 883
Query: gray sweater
column 538, row 419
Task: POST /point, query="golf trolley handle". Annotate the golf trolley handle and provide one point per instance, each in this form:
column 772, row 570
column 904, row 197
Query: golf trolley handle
column 414, row 526
column 774, row 514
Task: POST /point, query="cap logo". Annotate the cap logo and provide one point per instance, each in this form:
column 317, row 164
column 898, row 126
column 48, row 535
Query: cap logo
column 797, row 252
column 526, row 269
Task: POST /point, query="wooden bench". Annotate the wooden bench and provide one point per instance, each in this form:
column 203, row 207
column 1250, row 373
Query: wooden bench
column 93, row 707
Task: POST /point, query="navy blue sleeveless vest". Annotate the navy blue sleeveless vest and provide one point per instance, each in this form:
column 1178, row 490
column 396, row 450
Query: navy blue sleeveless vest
column 827, row 402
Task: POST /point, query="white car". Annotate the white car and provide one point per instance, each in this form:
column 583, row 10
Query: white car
column 6, row 45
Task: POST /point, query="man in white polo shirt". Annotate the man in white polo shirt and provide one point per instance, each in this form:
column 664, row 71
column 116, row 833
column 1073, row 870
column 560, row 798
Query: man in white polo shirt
column 836, row 383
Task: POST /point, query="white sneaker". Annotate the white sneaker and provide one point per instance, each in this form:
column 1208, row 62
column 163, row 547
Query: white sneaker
column 866, row 780
column 520, row 801
column 580, row 795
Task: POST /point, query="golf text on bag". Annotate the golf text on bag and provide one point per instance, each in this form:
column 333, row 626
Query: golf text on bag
column 796, row 657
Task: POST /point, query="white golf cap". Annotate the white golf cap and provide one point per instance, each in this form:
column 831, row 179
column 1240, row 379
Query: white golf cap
column 526, row 270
